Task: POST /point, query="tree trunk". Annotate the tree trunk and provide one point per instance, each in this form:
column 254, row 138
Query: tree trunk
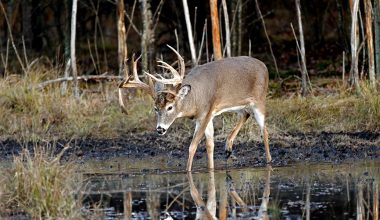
column 121, row 39
column 215, row 29
column 234, row 6
column 66, row 37
column 354, row 72
column 147, row 41
column 189, row 32
column 72, row 48
column 302, row 50
column 227, row 27
column 371, row 60
column 240, row 27
column 127, row 204
column 377, row 36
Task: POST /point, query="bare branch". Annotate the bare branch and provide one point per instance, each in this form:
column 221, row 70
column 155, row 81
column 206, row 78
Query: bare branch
column 82, row 78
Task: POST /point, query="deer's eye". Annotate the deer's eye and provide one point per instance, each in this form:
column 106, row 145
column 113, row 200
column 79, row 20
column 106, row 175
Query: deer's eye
column 170, row 108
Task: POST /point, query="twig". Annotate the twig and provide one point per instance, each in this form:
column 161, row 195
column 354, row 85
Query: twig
column 299, row 51
column 92, row 56
column 266, row 34
column 83, row 78
column 202, row 41
column 5, row 62
column 132, row 24
column 95, row 9
column 156, row 15
column 259, row 19
column 25, row 56
column 11, row 38
column 344, row 69
column 176, row 40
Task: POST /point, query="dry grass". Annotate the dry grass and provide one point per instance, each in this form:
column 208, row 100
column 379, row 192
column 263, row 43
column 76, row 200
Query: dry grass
column 326, row 113
column 39, row 186
column 32, row 114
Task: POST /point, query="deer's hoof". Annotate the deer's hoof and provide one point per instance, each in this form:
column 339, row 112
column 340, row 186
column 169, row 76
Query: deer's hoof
column 230, row 155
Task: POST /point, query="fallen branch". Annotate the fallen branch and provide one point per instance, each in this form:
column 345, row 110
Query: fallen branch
column 83, row 78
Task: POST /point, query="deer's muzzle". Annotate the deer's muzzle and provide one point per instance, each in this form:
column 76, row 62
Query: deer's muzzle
column 161, row 130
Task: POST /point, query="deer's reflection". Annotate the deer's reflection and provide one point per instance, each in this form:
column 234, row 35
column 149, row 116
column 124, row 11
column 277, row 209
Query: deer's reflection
column 207, row 209
column 204, row 210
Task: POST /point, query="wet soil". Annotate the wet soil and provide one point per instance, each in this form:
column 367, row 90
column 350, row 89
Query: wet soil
column 287, row 148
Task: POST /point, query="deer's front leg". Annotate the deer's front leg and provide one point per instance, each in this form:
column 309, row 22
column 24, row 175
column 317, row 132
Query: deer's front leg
column 200, row 128
column 209, row 133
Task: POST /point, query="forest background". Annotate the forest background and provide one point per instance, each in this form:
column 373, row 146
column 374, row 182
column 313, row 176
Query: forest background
column 325, row 51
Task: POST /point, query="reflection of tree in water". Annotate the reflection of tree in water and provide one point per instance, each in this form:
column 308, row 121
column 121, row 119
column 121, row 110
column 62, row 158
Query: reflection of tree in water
column 153, row 204
column 302, row 193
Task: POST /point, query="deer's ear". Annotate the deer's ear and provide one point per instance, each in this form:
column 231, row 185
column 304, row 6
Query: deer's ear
column 183, row 91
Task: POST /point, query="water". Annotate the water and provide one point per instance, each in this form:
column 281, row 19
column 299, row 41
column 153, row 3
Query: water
column 323, row 191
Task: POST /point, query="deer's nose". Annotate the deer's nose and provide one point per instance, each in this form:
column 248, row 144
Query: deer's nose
column 161, row 130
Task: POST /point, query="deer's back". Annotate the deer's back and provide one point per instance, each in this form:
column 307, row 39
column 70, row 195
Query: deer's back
column 230, row 80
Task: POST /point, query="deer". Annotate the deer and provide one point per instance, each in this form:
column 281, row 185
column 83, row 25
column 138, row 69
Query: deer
column 236, row 84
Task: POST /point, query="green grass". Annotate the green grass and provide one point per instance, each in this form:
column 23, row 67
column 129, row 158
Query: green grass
column 39, row 186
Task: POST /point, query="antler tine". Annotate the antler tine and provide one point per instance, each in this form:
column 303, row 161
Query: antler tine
column 134, row 68
column 181, row 62
column 136, row 82
column 172, row 70
column 173, row 81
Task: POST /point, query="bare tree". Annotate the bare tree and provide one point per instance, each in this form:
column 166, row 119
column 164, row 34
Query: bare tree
column 147, row 40
column 72, row 48
column 189, row 33
column 240, row 26
column 215, row 29
column 354, row 72
column 10, row 36
column 302, row 51
column 66, row 43
column 121, row 38
column 227, row 27
column 377, row 35
column 371, row 60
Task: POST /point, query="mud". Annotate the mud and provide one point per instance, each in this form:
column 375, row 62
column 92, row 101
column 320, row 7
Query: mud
column 285, row 148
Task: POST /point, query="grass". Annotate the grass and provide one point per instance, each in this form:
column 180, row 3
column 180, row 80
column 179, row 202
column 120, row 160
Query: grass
column 39, row 186
column 31, row 114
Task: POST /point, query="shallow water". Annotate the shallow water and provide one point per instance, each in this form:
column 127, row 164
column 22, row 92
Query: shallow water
column 320, row 191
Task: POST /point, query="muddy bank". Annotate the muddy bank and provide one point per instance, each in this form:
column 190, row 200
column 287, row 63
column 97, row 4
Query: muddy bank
column 285, row 148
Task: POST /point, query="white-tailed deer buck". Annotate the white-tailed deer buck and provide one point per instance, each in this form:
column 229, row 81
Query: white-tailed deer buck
column 237, row 84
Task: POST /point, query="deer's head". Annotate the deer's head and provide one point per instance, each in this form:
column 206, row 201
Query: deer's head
column 168, row 94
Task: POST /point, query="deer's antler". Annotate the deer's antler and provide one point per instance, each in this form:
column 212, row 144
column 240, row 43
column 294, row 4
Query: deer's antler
column 177, row 76
column 133, row 83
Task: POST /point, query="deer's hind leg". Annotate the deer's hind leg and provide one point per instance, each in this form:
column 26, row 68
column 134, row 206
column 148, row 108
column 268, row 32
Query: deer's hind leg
column 243, row 117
